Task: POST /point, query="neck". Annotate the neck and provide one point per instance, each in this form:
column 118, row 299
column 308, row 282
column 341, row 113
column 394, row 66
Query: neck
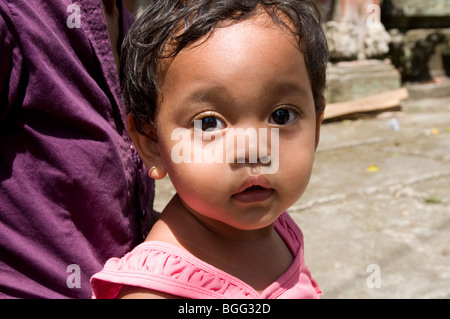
column 216, row 229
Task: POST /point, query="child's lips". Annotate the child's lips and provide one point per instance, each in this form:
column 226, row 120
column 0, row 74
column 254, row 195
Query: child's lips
column 254, row 189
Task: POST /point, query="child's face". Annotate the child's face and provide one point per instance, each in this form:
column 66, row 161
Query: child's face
column 247, row 75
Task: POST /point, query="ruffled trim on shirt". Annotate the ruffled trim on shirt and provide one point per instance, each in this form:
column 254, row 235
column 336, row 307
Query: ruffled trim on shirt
column 170, row 269
column 165, row 267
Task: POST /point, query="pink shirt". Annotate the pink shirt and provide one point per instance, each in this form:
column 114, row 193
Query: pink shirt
column 170, row 269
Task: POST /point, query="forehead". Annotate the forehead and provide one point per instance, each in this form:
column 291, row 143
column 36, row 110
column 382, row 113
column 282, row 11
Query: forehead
column 256, row 43
column 246, row 66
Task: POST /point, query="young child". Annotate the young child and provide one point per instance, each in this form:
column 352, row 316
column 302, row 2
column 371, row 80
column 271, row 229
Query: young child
column 203, row 70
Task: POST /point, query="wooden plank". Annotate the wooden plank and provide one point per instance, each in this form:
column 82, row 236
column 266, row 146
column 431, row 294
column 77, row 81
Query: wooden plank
column 378, row 102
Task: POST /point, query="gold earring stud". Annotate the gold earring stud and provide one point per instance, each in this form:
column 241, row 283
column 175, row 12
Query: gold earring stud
column 150, row 171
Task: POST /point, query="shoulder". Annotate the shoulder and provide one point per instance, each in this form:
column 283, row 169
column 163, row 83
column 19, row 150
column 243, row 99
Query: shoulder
column 158, row 269
column 288, row 228
column 137, row 274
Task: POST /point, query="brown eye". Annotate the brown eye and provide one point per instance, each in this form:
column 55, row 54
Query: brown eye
column 209, row 123
column 282, row 117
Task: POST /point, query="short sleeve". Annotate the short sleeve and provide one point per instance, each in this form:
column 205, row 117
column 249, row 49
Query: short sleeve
column 163, row 267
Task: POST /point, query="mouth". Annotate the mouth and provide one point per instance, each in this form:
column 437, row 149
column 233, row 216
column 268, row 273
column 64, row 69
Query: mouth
column 254, row 189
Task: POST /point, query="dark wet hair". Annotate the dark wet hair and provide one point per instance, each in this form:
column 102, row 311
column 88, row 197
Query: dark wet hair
column 168, row 26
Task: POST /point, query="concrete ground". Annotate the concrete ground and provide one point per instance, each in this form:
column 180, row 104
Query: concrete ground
column 376, row 215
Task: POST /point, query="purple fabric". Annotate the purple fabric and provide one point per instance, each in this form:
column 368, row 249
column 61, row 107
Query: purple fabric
column 72, row 188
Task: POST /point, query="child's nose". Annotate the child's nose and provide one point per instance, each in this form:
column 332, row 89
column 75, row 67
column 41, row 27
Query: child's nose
column 251, row 146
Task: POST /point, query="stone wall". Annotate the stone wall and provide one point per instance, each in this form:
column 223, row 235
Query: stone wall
column 360, row 78
column 420, row 32
column 359, row 45
column 412, row 14
column 374, row 46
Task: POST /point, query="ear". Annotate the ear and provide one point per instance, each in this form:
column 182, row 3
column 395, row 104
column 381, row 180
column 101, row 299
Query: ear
column 319, row 119
column 147, row 149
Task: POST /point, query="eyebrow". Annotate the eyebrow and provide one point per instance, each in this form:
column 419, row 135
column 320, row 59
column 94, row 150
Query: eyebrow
column 219, row 92
column 289, row 88
column 208, row 94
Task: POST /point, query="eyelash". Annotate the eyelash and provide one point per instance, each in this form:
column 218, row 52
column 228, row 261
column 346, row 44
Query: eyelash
column 203, row 116
column 296, row 112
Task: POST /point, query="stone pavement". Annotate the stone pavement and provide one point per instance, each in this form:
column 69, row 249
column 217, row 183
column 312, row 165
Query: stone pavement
column 376, row 215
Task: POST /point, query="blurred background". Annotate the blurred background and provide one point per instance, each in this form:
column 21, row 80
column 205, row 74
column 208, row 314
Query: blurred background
column 376, row 215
